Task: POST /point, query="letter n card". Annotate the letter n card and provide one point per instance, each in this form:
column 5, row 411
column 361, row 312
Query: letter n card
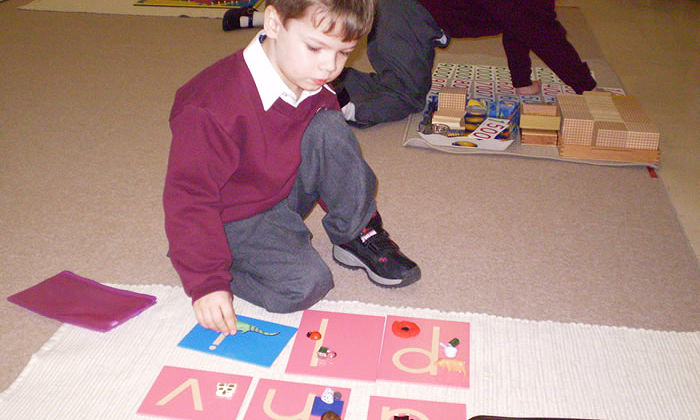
column 281, row 400
column 425, row 351
column 338, row 345
column 383, row 408
column 195, row 394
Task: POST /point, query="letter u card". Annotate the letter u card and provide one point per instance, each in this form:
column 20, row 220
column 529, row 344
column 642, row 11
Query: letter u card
column 282, row 400
column 425, row 351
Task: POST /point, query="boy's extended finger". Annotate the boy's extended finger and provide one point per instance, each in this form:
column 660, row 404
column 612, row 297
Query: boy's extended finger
column 229, row 316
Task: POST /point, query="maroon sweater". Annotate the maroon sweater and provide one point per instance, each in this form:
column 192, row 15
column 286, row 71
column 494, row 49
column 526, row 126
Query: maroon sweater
column 229, row 160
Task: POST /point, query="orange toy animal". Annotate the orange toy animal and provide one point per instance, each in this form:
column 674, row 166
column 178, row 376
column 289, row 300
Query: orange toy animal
column 456, row 365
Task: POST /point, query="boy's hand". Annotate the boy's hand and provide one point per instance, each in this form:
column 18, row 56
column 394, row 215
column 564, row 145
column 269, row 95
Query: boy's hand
column 215, row 312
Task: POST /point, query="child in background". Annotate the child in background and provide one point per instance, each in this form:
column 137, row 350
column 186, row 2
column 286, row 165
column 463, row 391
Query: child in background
column 406, row 32
column 401, row 49
column 258, row 140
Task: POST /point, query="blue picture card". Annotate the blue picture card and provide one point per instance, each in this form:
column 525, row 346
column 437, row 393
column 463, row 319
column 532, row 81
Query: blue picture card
column 256, row 341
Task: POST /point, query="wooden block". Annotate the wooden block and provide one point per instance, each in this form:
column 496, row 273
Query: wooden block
column 577, row 121
column 452, row 118
column 610, row 134
column 538, row 137
column 642, row 132
column 540, row 122
column 600, row 119
column 616, row 155
column 452, row 98
column 540, row 109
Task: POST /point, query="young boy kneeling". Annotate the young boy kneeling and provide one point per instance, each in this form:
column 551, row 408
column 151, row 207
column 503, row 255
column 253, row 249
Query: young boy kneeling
column 258, row 140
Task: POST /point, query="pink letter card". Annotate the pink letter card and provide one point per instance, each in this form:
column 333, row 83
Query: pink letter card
column 383, row 408
column 280, row 400
column 337, row 345
column 425, row 351
column 195, row 394
column 76, row 300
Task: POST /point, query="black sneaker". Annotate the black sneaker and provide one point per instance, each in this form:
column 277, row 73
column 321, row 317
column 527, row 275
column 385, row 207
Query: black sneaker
column 379, row 256
column 232, row 18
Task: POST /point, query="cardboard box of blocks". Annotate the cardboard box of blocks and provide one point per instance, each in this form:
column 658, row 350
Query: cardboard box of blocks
column 599, row 125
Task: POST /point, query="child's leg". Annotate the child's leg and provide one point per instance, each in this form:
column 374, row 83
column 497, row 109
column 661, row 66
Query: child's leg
column 519, row 63
column 548, row 41
column 534, row 24
column 401, row 51
column 334, row 171
column 274, row 265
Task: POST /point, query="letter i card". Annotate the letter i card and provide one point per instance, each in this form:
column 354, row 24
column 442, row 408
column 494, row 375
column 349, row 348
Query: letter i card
column 425, row 351
column 339, row 345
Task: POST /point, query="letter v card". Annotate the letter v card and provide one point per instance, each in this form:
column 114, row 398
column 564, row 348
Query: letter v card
column 425, row 351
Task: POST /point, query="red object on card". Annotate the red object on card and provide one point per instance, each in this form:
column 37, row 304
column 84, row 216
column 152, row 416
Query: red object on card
column 76, row 300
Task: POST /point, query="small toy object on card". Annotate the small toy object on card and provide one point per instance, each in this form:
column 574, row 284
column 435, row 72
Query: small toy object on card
column 327, row 396
column 225, row 390
column 452, row 365
column 326, row 353
column 314, row 335
column 450, row 348
column 405, row 329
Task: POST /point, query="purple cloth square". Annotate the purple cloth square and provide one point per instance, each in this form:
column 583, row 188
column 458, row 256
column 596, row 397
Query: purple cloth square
column 76, row 300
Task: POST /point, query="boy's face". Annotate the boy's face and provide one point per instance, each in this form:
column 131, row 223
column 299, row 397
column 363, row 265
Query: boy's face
column 305, row 57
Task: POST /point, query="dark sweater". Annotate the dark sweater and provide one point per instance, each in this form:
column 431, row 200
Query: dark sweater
column 526, row 25
column 229, row 160
column 462, row 18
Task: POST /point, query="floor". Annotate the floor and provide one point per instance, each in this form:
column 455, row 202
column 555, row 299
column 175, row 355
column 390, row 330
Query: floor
column 664, row 78
column 668, row 32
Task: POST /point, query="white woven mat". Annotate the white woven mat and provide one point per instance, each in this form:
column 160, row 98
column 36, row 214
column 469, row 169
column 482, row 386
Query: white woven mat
column 518, row 368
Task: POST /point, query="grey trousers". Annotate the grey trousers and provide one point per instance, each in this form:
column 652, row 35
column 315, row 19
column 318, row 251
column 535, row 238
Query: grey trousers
column 401, row 50
column 274, row 264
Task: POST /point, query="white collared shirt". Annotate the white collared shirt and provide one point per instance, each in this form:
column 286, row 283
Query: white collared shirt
column 268, row 82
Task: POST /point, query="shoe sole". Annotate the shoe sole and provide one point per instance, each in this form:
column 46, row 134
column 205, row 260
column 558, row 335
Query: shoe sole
column 349, row 260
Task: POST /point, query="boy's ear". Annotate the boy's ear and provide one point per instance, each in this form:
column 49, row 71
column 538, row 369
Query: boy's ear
column 272, row 23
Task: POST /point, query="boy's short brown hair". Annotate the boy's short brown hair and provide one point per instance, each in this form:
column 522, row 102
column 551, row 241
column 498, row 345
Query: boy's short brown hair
column 354, row 16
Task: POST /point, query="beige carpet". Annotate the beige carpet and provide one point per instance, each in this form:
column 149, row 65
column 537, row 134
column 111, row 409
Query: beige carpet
column 121, row 7
column 83, row 124
column 518, row 368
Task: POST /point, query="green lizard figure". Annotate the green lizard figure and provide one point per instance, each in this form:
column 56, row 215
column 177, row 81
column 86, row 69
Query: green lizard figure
column 244, row 327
